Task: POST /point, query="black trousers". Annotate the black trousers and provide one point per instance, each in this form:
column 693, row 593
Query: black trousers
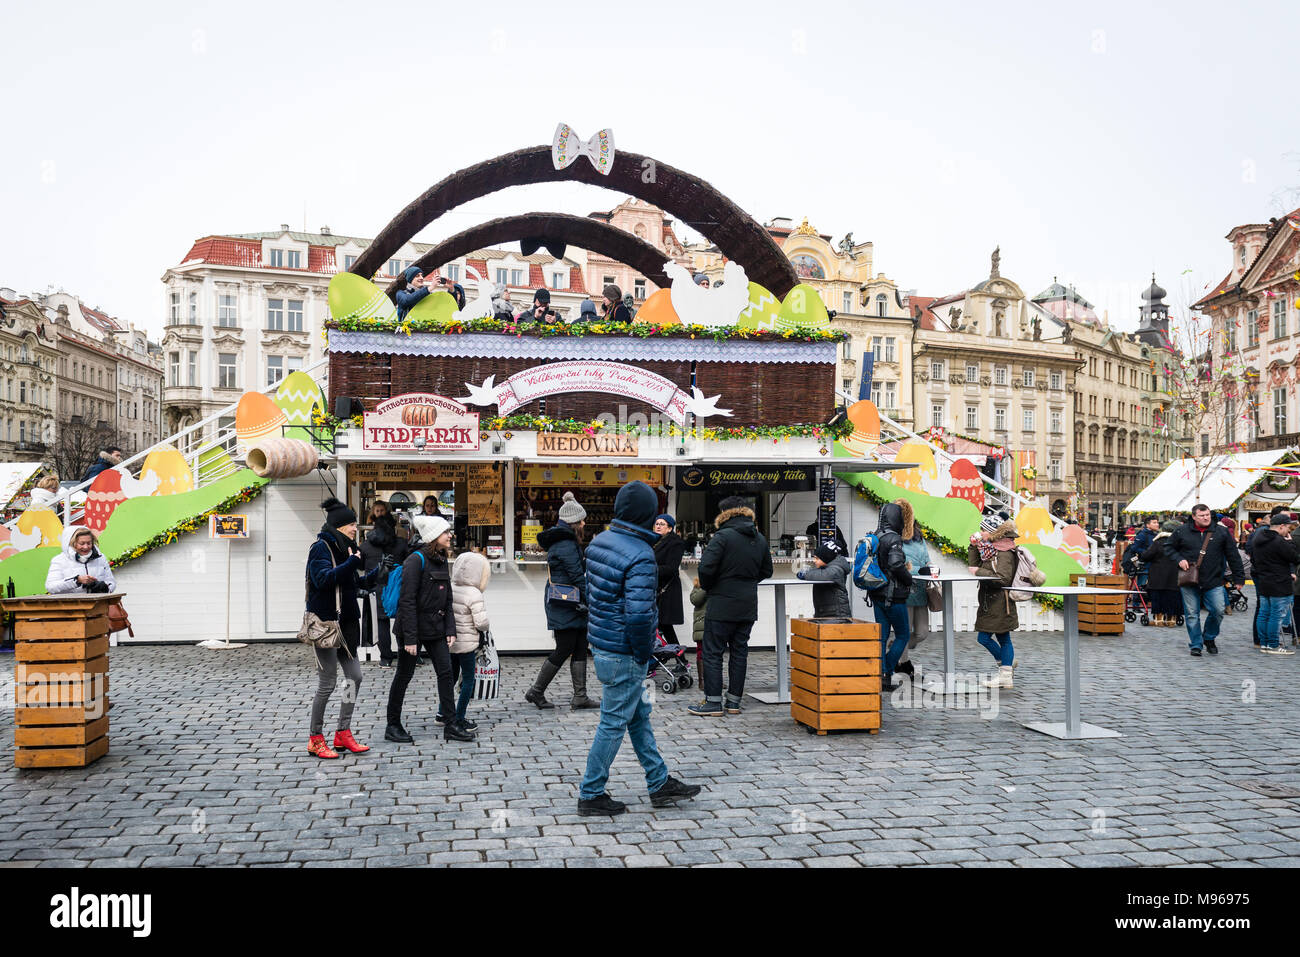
column 441, row 658
column 569, row 642
column 731, row 637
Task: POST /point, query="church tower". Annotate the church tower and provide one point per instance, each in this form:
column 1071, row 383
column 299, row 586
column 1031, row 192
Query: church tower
column 1154, row 327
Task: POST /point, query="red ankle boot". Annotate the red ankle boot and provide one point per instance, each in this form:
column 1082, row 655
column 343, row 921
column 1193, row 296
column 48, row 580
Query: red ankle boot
column 318, row 747
column 344, row 739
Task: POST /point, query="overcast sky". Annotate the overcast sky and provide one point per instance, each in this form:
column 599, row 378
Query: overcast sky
column 1095, row 142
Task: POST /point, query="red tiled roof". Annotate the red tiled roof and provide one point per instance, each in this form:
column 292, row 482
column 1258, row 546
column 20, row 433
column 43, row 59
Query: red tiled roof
column 924, row 302
column 1225, row 286
column 226, row 252
column 321, row 259
column 100, row 321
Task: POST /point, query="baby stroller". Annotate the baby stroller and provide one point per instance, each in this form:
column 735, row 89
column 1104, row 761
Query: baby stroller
column 668, row 668
column 1235, row 598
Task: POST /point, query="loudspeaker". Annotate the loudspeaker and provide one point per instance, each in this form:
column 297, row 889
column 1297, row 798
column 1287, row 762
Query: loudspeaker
column 345, row 407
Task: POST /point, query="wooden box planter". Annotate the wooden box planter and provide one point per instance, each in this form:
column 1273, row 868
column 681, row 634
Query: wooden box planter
column 1099, row 614
column 60, row 679
column 835, row 675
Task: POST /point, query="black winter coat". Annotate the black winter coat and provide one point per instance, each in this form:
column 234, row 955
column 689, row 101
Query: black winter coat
column 668, row 556
column 1185, row 544
column 424, row 612
column 323, row 580
column 380, row 541
column 892, row 559
column 734, row 562
column 567, row 565
column 1274, row 560
column 1295, row 537
column 1162, row 574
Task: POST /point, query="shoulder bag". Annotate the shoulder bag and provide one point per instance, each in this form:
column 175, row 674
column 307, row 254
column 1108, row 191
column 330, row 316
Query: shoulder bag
column 1192, row 576
column 561, row 594
column 323, row 634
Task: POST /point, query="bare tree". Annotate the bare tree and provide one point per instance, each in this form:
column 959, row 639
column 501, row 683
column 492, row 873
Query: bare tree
column 74, row 445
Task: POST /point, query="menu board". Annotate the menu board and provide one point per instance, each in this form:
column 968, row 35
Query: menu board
column 483, row 489
column 547, row 476
column 406, row 472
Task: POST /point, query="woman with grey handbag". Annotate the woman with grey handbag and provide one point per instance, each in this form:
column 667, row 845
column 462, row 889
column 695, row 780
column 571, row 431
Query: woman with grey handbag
column 566, row 605
column 333, row 577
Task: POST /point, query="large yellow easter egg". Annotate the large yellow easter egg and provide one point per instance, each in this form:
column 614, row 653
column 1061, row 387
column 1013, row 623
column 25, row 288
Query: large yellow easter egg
column 44, row 521
column 351, row 297
column 924, row 464
column 257, row 417
column 436, row 307
column 1031, row 522
column 803, row 309
column 763, row 310
column 866, row 427
column 215, row 464
column 658, row 310
column 297, row 396
column 171, row 468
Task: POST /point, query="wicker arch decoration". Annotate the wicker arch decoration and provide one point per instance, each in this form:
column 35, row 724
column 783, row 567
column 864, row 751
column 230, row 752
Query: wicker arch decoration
column 590, row 234
column 690, row 199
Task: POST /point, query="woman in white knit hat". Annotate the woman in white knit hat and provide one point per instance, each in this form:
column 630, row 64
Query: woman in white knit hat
column 566, row 565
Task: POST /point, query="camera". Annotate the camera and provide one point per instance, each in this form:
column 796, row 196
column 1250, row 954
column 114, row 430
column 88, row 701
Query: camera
column 97, row 587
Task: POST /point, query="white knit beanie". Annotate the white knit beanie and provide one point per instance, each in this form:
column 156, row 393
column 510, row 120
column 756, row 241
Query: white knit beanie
column 429, row 527
column 571, row 513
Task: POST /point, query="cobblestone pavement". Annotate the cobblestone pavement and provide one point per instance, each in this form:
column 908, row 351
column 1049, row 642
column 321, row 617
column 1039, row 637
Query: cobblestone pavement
column 208, row 765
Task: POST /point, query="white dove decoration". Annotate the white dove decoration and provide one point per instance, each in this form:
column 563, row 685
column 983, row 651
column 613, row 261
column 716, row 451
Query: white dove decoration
column 698, row 306
column 480, row 307
column 485, row 394
column 1052, row 539
column 568, row 146
column 134, row 488
column 25, row 541
column 701, row 407
column 938, row 485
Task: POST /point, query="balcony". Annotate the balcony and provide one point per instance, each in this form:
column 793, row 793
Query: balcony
column 1265, row 443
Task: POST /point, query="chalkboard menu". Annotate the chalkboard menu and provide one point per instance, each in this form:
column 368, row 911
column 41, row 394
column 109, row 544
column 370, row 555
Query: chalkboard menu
column 483, row 489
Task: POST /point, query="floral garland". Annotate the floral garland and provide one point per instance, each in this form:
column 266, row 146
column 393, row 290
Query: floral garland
column 640, row 330
column 542, row 423
column 246, row 494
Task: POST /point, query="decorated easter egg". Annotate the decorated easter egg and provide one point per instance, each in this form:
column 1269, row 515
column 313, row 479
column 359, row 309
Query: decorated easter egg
column 42, row 522
column 763, row 310
column 215, row 464
column 924, row 466
column 104, row 496
column 1074, row 542
column 658, row 310
column 436, row 307
column 351, row 297
column 866, row 427
column 967, row 483
column 803, row 309
column 257, row 417
column 171, row 469
column 297, row 396
column 1032, row 522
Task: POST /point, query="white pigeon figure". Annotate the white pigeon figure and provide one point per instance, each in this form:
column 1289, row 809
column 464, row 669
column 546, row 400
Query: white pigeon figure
column 701, row 407
column 701, row 306
column 23, row 541
column 1054, row 538
column 485, row 394
column 134, row 488
column 938, row 485
column 480, row 307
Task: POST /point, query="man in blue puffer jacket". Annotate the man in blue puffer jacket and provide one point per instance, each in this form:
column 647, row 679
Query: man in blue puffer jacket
column 622, row 613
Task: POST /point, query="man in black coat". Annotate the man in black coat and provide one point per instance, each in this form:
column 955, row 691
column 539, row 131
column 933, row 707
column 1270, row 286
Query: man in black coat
column 890, row 602
column 1274, row 562
column 1210, row 549
column 1249, row 548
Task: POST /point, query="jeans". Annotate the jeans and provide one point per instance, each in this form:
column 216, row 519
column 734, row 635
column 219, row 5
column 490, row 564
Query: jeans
column 1000, row 649
column 328, row 661
column 624, row 706
column 892, row 617
column 1273, row 612
column 463, row 665
column 733, row 638
column 1193, row 600
column 441, row 658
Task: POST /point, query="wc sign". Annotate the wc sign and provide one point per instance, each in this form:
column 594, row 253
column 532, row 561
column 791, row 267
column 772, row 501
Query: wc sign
column 228, row 526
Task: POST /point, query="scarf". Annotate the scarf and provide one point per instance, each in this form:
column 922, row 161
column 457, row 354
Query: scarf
column 988, row 550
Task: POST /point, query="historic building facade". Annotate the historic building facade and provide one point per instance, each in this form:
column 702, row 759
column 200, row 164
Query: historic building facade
column 28, row 370
column 647, row 222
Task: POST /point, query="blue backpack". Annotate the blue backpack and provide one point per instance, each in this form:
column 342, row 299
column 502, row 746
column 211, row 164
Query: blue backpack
column 867, row 573
column 393, row 589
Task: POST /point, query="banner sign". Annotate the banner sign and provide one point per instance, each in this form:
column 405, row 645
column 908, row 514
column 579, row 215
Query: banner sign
column 420, row 421
column 430, row 472
column 537, row 476
column 586, row 446
column 228, row 526
column 774, row 478
column 614, row 378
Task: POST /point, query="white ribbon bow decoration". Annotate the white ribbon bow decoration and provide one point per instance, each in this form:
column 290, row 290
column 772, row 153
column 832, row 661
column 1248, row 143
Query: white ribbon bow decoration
column 568, row 146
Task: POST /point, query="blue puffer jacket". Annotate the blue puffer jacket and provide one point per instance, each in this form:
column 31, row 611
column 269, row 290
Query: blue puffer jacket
column 623, row 577
column 322, row 579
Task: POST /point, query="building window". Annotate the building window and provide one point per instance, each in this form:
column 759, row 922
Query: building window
column 274, row 369
column 1279, row 318
column 349, row 261
column 227, row 313
column 174, row 316
column 972, row 418
column 881, row 305
column 1279, row 411
column 972, row 373
column 295, row 315
column 848, row 388
column 1027, row 420
column 1205, row 444
column 877, row 348
column 889, row 348
column 174, row 368
column 557, row 282
column 847, row 302
column 1000, row 419
column 193, row 368
column 936, row 369
column 606, row 281
column 394, row 267
column 876, row 399
column 1054, row 470
column 226, row 370
column 638, row 289
column 1055, row 421
column 1055, row 380
column 891, row 396
column 1028, row 378
column 936, row 414
column 275, row 314
column 293, row 258
column 194, row 309
column 1252, row 328
column 226, row 426
column 1230, row 338
column 452, row 272
column 516, row 277
column 22, row 391
column 503, row 277
column 999, row 375
column 277, row 259
column 1120, row 372
column 1230, row 421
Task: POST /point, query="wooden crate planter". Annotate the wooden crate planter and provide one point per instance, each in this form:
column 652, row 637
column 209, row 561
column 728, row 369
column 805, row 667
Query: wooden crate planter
column 60, row 679
column 835, row 675
column 1100, row 614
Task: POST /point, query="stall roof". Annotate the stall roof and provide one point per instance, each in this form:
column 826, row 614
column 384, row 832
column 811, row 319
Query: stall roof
column 13, row 476
column 1223, row 480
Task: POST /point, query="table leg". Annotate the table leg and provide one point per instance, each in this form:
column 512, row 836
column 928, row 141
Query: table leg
column 1072, row 728
column 781, row 694
column 948, row 651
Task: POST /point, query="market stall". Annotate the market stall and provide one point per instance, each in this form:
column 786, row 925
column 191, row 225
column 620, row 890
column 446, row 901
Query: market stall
column 1243, row 485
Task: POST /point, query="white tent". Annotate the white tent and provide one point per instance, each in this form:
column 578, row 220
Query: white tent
column 1216, row 480
column 13, row 476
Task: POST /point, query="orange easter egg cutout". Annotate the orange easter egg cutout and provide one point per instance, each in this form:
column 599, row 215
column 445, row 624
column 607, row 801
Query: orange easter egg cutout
column 658, row 310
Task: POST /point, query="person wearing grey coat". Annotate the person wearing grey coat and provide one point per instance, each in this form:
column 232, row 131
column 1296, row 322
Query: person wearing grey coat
column 831, row 573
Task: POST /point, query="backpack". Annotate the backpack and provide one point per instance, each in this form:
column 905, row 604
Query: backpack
column 393, row 589
column 1027, row 574
column 867, row 573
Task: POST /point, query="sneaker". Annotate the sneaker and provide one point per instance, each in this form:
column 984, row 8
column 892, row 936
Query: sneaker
column 440, row 719
column 732, row 705
column 672, row 792
column 1196, row 652
column 706, row 709
column 1277, row 651
column 1211, row 647
column 604, row 804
